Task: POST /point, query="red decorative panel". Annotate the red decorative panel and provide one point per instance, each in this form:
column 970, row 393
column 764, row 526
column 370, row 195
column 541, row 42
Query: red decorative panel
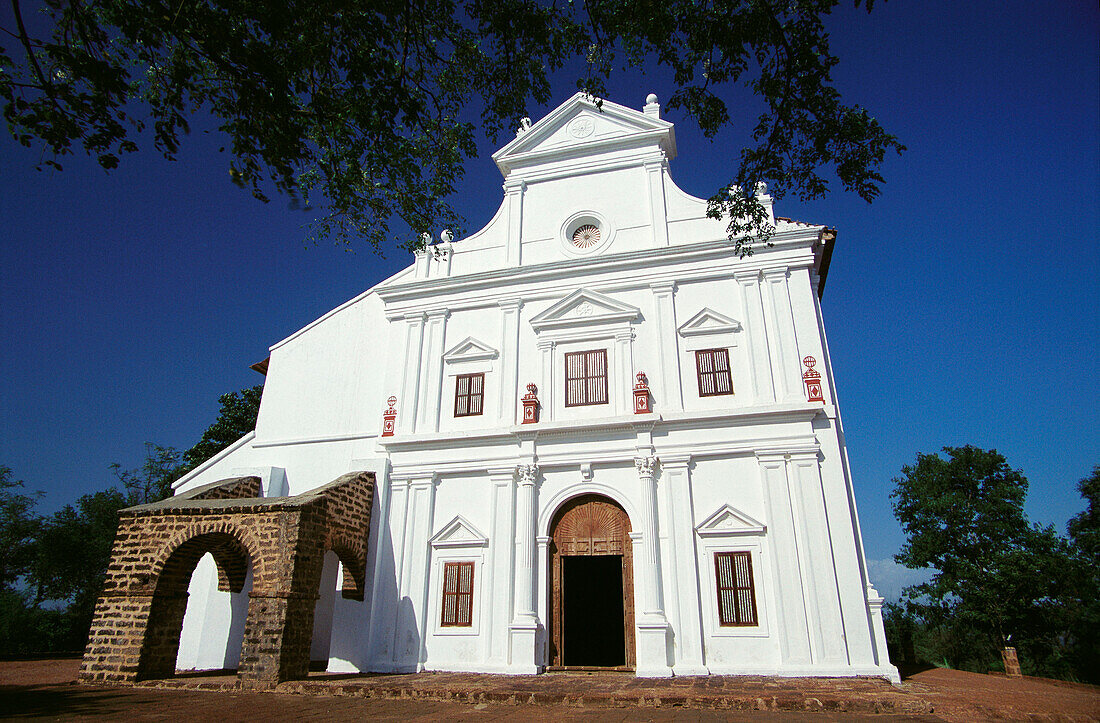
column 812, row 380
column 389, row 418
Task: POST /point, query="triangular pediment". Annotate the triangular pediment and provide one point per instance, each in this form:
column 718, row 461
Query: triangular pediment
column 709, row 321
column 727, row 520
column 469, row 349
column 459, row 533
column 578, row 127
column 583, row 308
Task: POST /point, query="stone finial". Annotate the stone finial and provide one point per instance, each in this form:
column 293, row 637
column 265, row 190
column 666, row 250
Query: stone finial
column 524, row 126
column 446, row 236
column 652, row 107
column 651, row 99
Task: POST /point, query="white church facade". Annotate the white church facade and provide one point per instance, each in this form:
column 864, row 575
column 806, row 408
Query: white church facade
column 600, row 438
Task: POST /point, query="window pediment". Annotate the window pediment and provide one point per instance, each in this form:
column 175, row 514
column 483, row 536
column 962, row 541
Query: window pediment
column 469, row 349
column 728, row 520
column 459, row 532
column 709, row 321
column 584, row 308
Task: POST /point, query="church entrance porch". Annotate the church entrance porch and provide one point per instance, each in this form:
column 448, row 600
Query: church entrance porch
column 592, row 586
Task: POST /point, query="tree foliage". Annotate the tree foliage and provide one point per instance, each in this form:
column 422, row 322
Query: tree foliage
column 997, row 579
column 368, row 108
column 18, row 524
column 236, row 418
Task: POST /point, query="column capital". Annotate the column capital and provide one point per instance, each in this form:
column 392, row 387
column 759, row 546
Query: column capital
column 527, row 473
column 776, row 274
column 645, row 465
column 663, row 287
column 747, row 277
column 544, row 344
column 437, row 314
column 510, row 304
column 515, row 185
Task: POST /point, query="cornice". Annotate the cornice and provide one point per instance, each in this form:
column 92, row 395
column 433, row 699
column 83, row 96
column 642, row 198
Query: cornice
column 421, row 289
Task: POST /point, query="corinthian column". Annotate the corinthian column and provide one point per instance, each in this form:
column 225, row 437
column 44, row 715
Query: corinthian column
column 525, row 624
column 652, row 625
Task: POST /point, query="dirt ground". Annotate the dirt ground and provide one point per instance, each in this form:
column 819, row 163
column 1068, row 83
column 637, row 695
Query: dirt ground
column 45, row 689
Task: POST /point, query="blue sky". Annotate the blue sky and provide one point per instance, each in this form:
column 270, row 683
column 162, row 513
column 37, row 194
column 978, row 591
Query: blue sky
column 961, row 306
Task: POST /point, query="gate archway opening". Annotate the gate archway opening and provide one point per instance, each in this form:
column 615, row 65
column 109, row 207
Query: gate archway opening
column 591, row 586
column 160, row 647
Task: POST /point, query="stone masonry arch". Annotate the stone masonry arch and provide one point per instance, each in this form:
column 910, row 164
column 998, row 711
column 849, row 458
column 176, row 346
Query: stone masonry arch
column 136, row 629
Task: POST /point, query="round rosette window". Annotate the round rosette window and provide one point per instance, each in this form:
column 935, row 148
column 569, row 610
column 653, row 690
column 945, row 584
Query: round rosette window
column 585, row 233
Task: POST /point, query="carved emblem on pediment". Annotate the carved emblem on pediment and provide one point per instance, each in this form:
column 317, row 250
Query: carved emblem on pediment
column 581, row 127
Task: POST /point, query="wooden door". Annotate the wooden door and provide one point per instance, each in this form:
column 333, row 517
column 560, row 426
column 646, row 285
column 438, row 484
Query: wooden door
column 590, row 525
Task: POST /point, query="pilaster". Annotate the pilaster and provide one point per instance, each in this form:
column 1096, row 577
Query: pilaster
column 514, row 191
column 410, row 382
column 432, row 374
column 819, row 577
column 756, row 338
column 624, row 353
column 658, row 215
column 671, row 395
column 546, row 349
column 500, row 586
column 781, row 340
column 686, row 613
column 794, row 641
column 507, row 408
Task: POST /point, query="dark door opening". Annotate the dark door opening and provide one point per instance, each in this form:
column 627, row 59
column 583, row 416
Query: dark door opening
column 592, row 607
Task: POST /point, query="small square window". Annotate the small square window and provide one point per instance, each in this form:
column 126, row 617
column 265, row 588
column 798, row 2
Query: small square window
column 586, row 378
column 469, row 394
column 458, row 595
column 713, row 367
column 736, row 592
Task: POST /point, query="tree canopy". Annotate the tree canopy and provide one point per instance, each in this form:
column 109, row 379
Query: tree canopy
column 370, row 109
column 997, row 578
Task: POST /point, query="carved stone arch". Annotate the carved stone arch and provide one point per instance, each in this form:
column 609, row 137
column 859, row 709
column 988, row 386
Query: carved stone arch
column 589, row 525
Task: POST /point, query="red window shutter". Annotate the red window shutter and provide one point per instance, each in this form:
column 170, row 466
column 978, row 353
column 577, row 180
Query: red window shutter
column 469, row 394
column 736, row 591
column 586, row 378
column 713, row 369
column 458, row 594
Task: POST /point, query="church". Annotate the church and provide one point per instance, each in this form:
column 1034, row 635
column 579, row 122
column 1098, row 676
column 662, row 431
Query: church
column 587, row 436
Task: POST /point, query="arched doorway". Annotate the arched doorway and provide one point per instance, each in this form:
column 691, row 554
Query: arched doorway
column 591, row 585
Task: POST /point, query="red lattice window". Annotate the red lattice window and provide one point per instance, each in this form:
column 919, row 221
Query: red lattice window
column 713, row 368
column 469, row 394
column 586, row 378
column 458, row 594
column 736, row 594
